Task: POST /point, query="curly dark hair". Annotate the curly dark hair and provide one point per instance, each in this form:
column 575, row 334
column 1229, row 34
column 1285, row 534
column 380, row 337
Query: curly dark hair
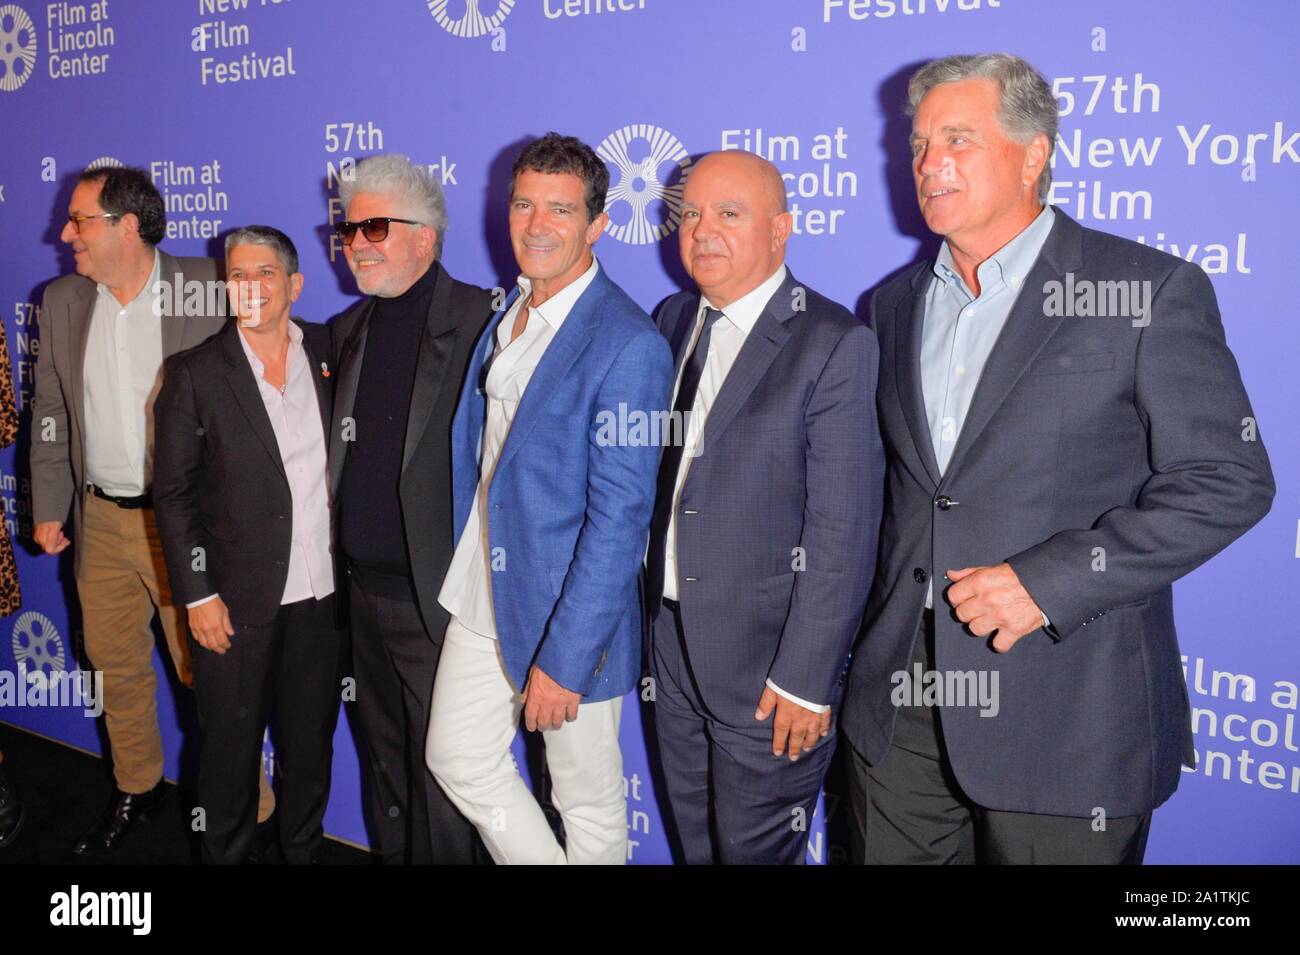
column 554, row 153
column 130, row 190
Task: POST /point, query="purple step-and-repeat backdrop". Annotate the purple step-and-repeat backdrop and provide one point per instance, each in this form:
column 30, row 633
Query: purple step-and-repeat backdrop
column 1180, row 128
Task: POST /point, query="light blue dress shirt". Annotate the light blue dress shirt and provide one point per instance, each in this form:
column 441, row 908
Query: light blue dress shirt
column 960, row 330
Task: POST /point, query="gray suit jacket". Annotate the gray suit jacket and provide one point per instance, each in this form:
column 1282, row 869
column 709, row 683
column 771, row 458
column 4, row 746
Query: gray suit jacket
column 1103, row 460
column 778, row 516
column 58, row 472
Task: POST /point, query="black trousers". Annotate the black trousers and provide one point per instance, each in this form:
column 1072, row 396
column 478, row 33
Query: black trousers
column 730, row 800
column 394, row 662
column 909, row 809
column 286, row 672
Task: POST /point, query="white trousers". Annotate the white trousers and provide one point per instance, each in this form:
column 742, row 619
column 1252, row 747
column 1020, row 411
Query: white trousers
column 472, row 722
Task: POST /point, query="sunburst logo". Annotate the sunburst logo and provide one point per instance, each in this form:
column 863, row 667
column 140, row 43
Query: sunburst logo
column 473, row 22
column 17, row 47
column 645, row 204
column 104, row 162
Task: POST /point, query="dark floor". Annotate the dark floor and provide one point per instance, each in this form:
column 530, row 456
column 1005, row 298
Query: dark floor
column 63, row 790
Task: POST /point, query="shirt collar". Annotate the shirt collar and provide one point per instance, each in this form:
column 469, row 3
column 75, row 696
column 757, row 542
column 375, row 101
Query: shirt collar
column 1009, row 264
column 295, row 341
column 146, row 289
column 556, row 308
column 745, row 311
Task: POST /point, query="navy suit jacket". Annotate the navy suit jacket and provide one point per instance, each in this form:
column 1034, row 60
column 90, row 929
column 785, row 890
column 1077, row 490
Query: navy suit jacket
column 778, row 516
column 1103, row 458
column 570, row 501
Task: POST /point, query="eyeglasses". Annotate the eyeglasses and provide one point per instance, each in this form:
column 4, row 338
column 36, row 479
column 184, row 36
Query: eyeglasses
column 375, row 229
column 77, row 220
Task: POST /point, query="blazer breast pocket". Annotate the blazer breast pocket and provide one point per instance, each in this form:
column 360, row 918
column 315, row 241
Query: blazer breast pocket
column 557, row 574
column 1073, row 364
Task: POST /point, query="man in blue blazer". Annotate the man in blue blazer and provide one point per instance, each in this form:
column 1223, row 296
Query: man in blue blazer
column 764, row 539
column 1053, row 467
column 553, row 487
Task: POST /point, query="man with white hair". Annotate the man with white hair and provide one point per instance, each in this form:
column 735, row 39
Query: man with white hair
column 401, row 354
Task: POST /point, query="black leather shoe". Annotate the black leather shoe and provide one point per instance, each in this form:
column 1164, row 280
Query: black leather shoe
column 125, row 809
column 11, row 811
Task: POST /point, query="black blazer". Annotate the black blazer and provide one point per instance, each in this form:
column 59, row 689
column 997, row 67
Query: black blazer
column 219, row 483
column 456, row 317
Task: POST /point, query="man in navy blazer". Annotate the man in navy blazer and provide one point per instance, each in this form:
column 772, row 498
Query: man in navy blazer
column 1067, row 434
column 553, row 487
column 763, row 543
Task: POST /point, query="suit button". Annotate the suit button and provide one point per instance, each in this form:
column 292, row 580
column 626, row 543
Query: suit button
column 689, row 511
column 920, row 576
column 691, row 580
column 943, row 502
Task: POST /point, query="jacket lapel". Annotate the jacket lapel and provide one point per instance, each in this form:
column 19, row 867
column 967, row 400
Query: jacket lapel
column 909, row 320
column 244, row 385
column 431, row 367
column 764, row 342
column 467, row 423
column 173, row 326
column 345, row 391
column 1022, row 337
column 81, row 310
column 681, row 332
column 568, row 343
column 318, row 365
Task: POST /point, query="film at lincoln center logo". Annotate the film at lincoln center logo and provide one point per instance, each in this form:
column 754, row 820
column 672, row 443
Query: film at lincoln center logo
column 473, row 22
column 17, row 47
column 643, row 206
column 37, row 645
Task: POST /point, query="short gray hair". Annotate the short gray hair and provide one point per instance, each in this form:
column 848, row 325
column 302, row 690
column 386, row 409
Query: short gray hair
column 1026, row 104
column 416, row 190
column 268, row 236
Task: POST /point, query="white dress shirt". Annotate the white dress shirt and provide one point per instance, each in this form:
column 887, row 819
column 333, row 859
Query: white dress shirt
column 124, row 354
column 725, row 341
column 467, row 588
column 300, row 435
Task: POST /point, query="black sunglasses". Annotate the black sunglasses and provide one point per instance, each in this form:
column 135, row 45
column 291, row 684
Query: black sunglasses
column 375, row 229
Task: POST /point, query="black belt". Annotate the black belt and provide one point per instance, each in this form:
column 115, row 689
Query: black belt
column 133, row 503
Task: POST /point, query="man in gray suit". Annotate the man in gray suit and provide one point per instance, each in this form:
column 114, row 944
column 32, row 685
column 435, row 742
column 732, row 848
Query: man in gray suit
column 763, row 539
column 104, row 333
column 1067, row 435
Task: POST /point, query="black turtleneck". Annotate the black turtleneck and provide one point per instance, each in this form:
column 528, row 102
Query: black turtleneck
column 370, row 524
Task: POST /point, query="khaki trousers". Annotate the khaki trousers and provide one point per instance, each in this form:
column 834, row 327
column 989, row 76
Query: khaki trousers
column 122, row 583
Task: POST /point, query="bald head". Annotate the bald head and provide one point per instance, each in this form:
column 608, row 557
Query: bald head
column 735, row 224
column 760, row 177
